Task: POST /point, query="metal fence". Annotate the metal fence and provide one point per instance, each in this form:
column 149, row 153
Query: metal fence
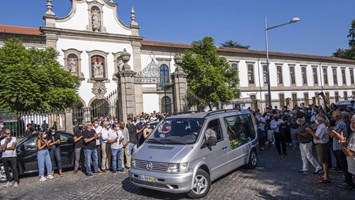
column 17, row 122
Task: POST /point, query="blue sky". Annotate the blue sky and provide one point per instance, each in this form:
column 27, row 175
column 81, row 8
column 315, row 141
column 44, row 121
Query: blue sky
column 323, row 28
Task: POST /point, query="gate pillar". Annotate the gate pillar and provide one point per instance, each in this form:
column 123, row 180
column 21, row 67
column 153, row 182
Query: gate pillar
column 179, row 86
column 125, row 89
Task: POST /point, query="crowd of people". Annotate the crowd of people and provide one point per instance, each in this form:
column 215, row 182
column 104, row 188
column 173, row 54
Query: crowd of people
column 330, row 129
column 105, row 144
column 102, row 145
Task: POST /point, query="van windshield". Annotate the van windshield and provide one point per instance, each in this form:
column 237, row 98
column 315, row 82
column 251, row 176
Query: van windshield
column 176, row 131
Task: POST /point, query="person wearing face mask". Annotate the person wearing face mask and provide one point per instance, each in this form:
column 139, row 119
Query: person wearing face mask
column 348, row 147
column 78, row 144
column 54, row 150
column 9, row 158
column 98, row 130
column 140, row 128
column 105, row 147
column 321, row 139
column 305, row 140
column 279, row 139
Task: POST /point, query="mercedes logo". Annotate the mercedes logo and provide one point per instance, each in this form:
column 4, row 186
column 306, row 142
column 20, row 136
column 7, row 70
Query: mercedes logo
column 149, row 166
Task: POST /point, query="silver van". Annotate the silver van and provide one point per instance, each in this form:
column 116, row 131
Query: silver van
column 186, row 152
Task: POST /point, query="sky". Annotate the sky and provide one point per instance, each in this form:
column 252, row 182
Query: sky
column 323, row 27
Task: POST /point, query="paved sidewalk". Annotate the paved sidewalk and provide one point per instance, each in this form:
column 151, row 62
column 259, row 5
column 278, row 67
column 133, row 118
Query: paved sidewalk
column 274, row 178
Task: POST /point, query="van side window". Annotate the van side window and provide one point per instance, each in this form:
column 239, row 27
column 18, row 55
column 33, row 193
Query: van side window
column 240, row 129
column 215, row 126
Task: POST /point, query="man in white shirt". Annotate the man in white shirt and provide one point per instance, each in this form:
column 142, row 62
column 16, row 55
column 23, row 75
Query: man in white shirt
column 98, row 130
column 105, row 147
column 9, row 158
column 116, row 138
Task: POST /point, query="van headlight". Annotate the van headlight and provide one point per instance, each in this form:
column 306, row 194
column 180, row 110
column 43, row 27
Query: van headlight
column 133, row 163
column 174, row 167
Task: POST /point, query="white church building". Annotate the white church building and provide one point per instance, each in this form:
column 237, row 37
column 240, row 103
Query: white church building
column 121, row 71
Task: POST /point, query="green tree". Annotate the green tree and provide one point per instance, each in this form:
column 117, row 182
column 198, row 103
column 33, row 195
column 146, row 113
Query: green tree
column 234, row 44
column 209, row 77
column 33, row 80
column 348, row 53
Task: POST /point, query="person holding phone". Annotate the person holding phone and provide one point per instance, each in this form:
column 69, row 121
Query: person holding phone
column 9, row 158
column 43, row 157
column 54, row 150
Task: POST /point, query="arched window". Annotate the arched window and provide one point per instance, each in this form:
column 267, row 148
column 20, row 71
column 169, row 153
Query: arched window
column 166, row 104
column 164, row 73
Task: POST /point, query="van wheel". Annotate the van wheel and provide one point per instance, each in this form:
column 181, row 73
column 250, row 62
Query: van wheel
column 2, row 173
column 253, row 160
column 201, row 185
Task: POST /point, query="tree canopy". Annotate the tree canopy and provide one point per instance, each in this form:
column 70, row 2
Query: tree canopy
column 33, row 80
column 234, row 44
column 210, row 78
column 350, row 52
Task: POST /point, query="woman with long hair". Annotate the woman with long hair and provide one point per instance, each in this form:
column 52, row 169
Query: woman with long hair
column 43, row 157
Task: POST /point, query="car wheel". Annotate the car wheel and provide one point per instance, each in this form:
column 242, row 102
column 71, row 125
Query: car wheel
column 253, row 160
column 2, row 173
column 201, row 185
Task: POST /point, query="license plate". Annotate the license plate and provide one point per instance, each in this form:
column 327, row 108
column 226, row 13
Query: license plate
column 147, row 178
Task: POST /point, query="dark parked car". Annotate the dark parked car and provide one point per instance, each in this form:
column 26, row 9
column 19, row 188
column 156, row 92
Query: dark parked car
column 27, row 154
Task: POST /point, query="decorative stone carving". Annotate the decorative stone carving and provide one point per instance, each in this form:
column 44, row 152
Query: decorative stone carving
column 150, row 74
column 98, row 70
column 95, row 16
column 98, row 67
column 96, row 19
column 72, row 62
column 99, row 89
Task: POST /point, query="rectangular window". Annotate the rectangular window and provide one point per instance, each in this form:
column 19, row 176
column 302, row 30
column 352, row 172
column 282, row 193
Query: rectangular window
column 315, row 75
column 282, row 100
column 279, row 75
column 240, row 129
column 304, row 75
column 325, row 75
column 345, row 95
column 335, row 76
column 267, row 98
column 336, row 94
column 251, row 74
column 343, row 75
column 265, row 74
column 292, row 74
column 306, row 99
column 294, row 99
column 327, row 96
column 254, row 103
column 234, row 66
column 352, row 76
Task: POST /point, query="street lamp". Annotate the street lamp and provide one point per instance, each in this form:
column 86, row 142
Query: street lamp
column 293, row 20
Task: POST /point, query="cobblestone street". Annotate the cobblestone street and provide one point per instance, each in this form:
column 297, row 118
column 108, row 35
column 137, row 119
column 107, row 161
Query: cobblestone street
column 274, row 178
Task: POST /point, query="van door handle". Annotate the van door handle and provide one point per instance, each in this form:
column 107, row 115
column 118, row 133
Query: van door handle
column 224, row 148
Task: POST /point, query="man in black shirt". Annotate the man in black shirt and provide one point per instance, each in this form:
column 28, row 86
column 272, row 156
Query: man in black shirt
column 133, row 139
column 78, row 140
column 90, row 136
column 54, row 150
column 29, row 130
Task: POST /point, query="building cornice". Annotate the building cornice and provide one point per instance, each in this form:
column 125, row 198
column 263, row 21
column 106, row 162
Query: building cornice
column 90, row 34
column 248, row 52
